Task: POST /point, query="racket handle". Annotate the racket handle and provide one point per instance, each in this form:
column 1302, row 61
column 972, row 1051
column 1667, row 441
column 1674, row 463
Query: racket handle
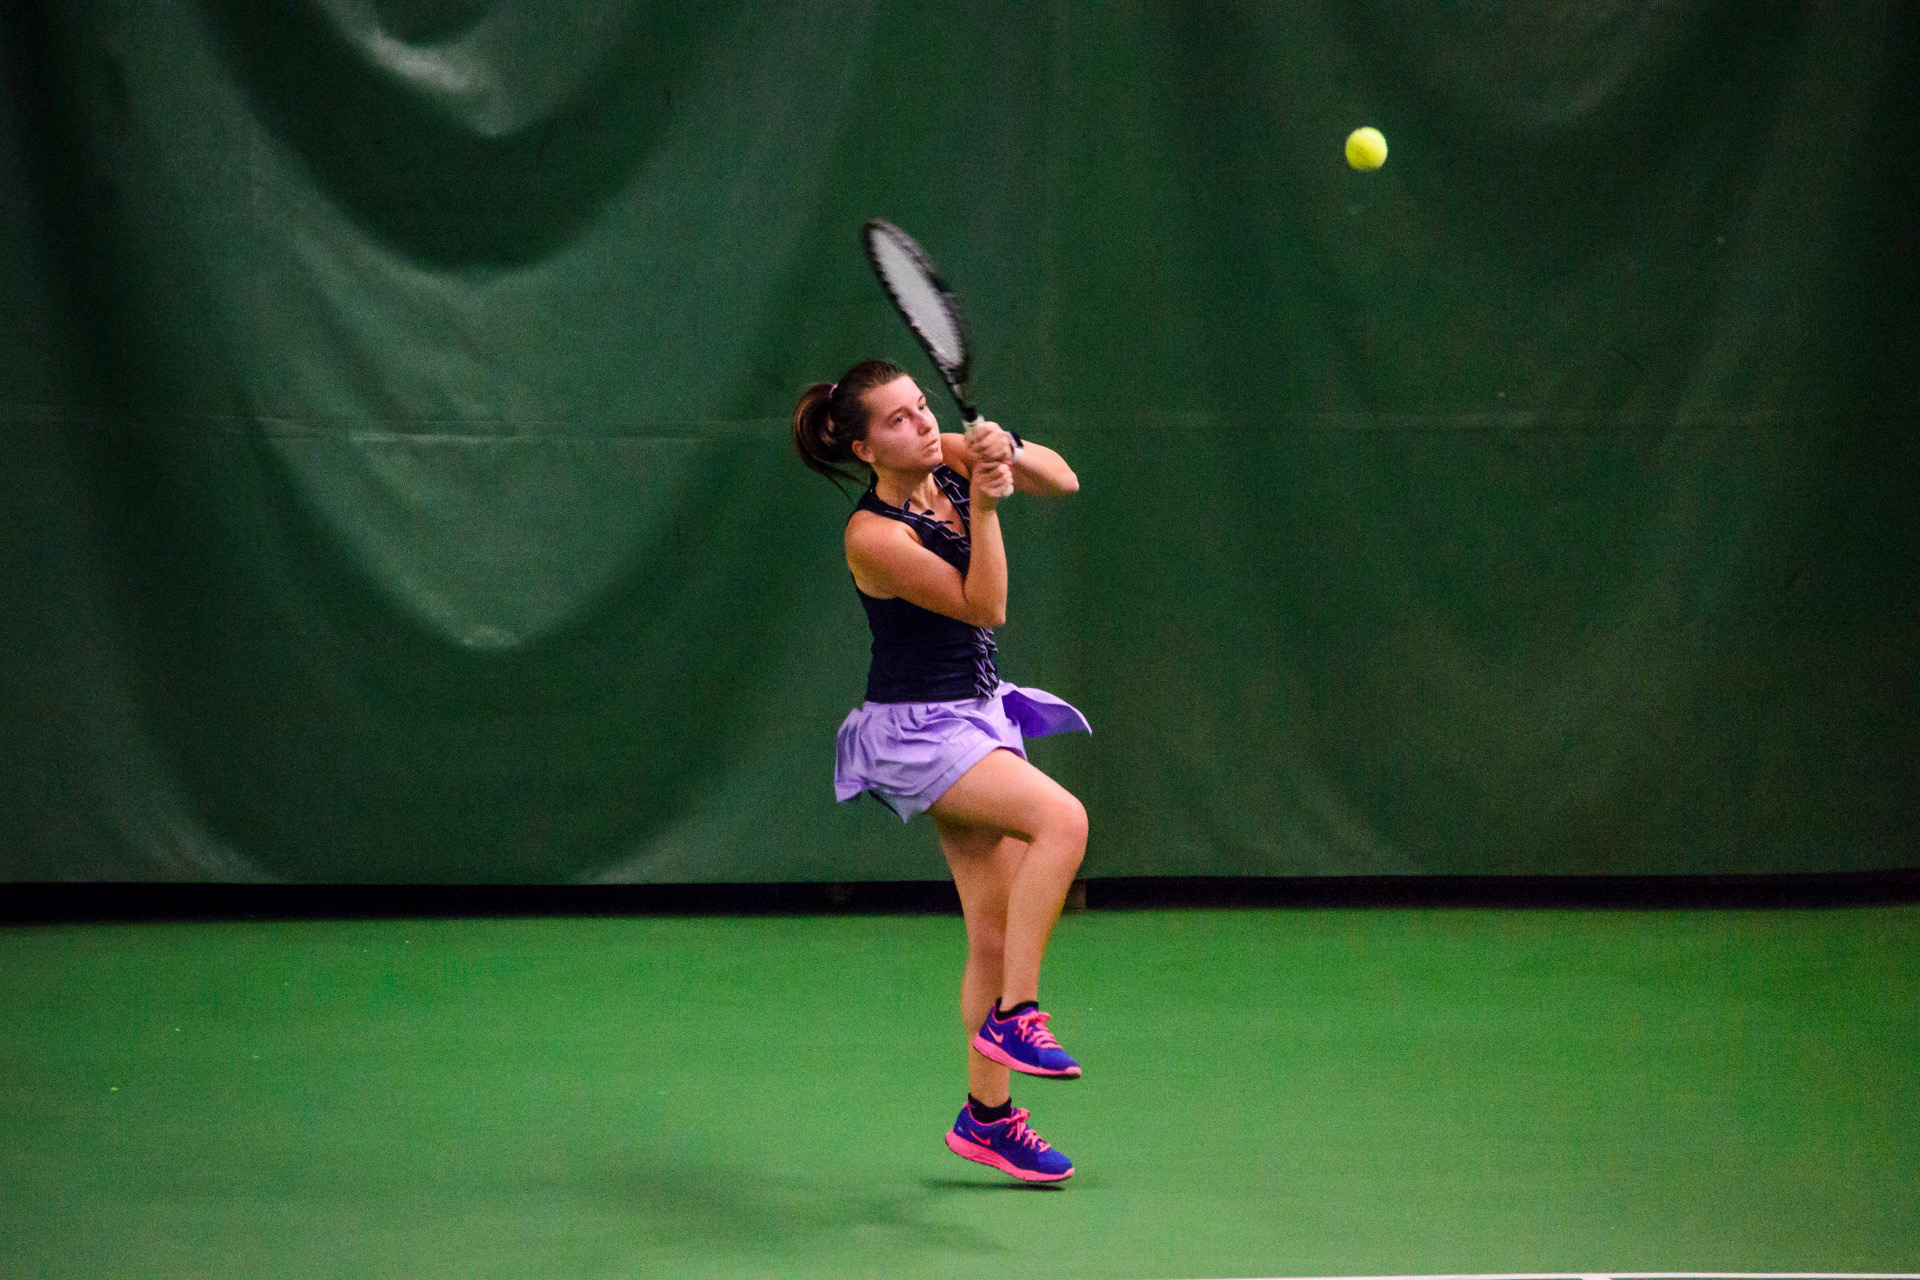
column 972, row 425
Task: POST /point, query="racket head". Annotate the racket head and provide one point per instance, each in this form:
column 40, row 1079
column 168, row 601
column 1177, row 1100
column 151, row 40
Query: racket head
column 925, row 301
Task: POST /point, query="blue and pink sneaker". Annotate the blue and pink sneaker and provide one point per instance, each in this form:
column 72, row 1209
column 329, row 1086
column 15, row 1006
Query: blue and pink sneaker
column 1021, row 1042
column 1009, row 1146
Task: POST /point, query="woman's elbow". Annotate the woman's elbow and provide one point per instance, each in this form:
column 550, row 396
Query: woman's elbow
column 1069, row 483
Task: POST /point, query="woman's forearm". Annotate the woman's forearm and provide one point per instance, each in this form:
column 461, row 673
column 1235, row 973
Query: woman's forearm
column 1040, row 470
column 986, row 582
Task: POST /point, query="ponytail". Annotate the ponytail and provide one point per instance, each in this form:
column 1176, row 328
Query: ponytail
column 814, row 439
column 831, row 416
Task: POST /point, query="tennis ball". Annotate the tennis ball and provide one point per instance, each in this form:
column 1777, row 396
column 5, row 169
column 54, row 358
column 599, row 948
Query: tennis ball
column 1366, row 148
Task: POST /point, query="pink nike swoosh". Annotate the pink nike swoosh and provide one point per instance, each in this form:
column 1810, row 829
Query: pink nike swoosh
column 997, row 1037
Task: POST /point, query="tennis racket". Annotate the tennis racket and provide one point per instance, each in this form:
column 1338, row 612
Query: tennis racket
column 928, row 305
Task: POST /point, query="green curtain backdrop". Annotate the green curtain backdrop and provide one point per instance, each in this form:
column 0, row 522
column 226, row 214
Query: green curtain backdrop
column 396, row 483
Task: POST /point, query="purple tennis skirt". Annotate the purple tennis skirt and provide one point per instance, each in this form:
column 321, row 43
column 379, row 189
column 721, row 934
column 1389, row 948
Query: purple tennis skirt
column 909, row 753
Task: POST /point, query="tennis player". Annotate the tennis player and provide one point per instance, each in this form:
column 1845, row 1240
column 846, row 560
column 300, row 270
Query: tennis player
column 940, row 732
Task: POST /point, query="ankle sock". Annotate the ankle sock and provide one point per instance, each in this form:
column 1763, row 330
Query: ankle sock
column 984, row 1114
column 1001, row 1015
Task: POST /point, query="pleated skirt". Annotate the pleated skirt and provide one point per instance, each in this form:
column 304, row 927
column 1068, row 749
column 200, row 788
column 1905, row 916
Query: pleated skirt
column 906, row 754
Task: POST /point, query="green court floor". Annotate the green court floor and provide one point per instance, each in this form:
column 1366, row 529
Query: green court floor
column 1268, row 1093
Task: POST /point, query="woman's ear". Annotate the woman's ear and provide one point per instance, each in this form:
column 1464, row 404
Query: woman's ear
column 863, row 451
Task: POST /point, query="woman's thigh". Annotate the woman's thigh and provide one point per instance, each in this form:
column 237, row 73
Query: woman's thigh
column 1005, row 794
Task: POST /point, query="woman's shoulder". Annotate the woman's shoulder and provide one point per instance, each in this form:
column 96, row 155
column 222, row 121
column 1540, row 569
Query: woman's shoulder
column 953, row 454
column 869, row 506
column 869, row 526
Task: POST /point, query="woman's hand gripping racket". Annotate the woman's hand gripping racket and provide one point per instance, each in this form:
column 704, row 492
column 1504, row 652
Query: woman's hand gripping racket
column 927, row 304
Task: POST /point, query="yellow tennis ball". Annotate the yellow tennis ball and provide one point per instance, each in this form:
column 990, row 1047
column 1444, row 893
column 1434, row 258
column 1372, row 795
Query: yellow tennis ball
column 1366, row 148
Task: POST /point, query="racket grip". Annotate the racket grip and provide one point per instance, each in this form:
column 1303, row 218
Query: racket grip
column 972, row 426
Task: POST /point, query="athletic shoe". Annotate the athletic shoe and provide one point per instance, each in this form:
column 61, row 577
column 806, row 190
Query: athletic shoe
column 1009, row 1146
column 1023, row 1043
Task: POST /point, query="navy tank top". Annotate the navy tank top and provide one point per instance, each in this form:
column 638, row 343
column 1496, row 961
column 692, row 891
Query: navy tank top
column 920, row 655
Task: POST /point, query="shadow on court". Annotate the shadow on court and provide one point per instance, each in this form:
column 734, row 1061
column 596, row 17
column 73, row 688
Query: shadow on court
column 962, row 1184
column 699, row 1204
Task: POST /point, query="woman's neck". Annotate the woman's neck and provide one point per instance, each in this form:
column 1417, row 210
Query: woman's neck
column 895, row 487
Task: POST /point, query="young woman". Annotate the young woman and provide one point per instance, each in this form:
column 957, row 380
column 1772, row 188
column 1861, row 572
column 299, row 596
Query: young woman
column 940, row 732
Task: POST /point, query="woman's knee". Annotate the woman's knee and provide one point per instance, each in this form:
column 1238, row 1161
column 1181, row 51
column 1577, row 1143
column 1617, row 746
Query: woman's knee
column 1068, row 819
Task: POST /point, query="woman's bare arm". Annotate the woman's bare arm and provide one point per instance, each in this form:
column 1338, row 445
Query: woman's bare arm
column 1038, row 469
column 887, row 560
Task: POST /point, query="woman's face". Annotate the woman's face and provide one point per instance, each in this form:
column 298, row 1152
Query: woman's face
column 901, row 432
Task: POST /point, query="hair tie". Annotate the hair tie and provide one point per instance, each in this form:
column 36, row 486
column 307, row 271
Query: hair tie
column 830, row 390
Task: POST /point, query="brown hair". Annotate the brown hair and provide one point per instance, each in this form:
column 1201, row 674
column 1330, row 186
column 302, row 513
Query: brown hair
column 831, row 416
